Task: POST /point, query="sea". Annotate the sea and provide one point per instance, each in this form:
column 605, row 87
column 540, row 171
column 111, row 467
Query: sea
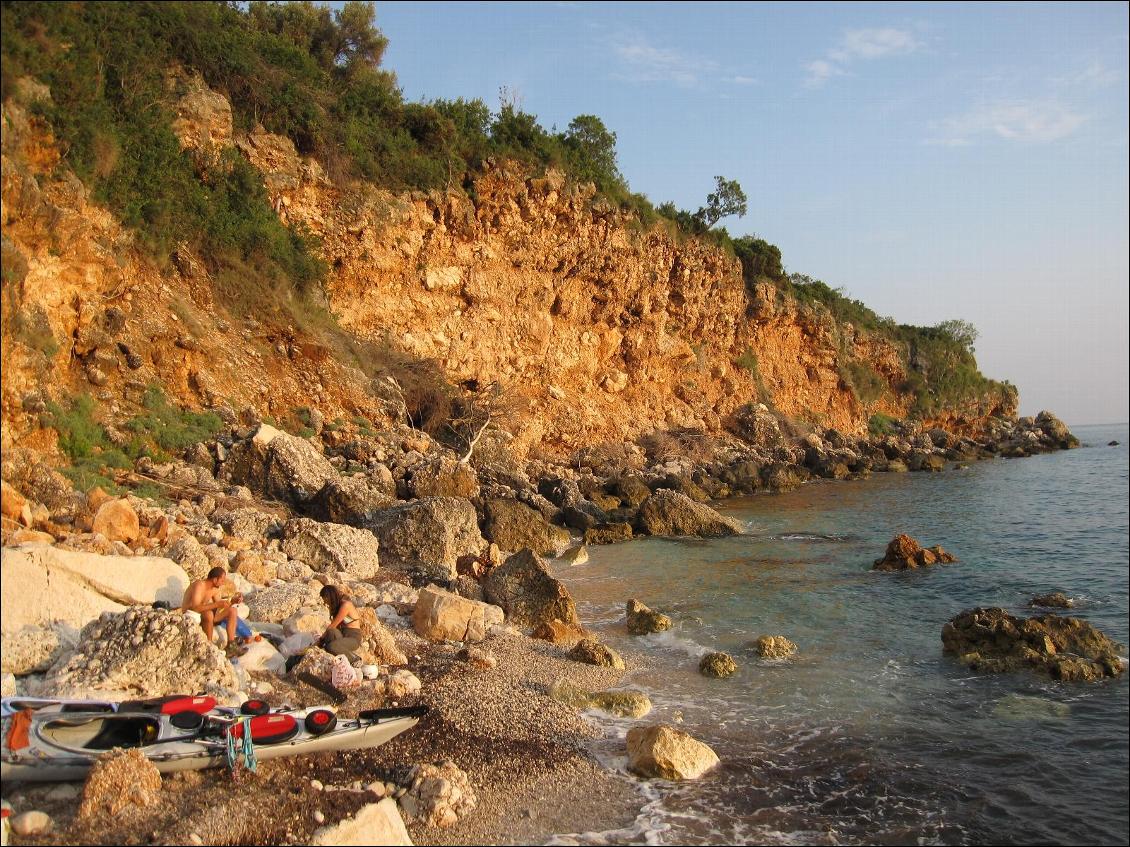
column 870, row 735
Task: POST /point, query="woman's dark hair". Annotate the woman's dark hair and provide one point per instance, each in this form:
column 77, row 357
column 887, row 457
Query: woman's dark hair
column 334, row 596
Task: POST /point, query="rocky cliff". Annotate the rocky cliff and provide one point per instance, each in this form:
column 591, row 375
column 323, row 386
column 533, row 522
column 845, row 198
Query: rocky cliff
column 592, row 327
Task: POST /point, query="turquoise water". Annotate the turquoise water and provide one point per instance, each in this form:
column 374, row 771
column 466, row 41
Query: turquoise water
column 871, row 735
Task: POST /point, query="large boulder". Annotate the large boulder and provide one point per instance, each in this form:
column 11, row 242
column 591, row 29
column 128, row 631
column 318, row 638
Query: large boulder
column 278, row 602
column 187, row 552
column 667, row 753
column 376, row 637
column 441, row 615
column 117, row 520
column 622, row 704
column 119, row 779
column 352, row 500
column 642, row 620
column 667, row 512
column 278, row 465
column 515, row 526
column 427, row 537
column 73, row 588
column 774, row 647
column 140, row 652
column 443, row 476
column 247, row 522
column 1066, row 648
column 904, row 553
column 374, row 823
column 331, row 547
column 717, row 665
column 34, row 649
column 524, row 589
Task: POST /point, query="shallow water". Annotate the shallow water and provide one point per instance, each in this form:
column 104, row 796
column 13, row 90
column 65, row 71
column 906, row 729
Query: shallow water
column 871, row 735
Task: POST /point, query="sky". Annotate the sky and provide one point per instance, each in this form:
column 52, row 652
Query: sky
column 935, row 161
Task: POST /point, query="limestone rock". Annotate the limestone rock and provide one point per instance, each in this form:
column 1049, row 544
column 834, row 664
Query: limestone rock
column 187, row 552
column 117, row 520
column 34, row 649
column 427, row 537
column 401, row 684
column 717, row 665
column 253, row 568
column 524, row 589
column 331, row 547
column 1066, row 648
column 441, row 615
column 667, row 753
column 443, row 476
column 575, row 555
column 120, row 778
column 378, row 639
column 774, row 647
column 314, row 661
column 477, row 658
column 311, row 621
column 592, row 652
column 513, row 525
column 374, row 823
column 642, row 620
column 352, row 500
column 13, row 505
column 904, row 553
column 279, row 602
column 277, row 465
column 143, row 651
column 557, row 632
column 33, row 822
column 439, row 794
column 632, row 490
column 622, row 704
column 608, row 533
column 246, row 522
column 667, row 512
column 73, row 588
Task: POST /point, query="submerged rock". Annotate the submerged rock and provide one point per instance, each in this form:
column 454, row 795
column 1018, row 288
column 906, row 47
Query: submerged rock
column 643, row 621
column 1067, row 648
column 623, row 704
column 575, row 555
column 904, row 553
column 1025, row 707
column 668, row 753
column 1055, row 600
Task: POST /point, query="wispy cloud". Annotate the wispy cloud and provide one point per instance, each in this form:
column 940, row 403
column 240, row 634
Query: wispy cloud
column 1031, row 121
column 648, row 63
column 859, row 45
column 739, row 79
column 1094, row 75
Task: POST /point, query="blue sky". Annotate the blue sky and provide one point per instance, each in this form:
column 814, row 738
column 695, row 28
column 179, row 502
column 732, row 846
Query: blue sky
column 935, row 161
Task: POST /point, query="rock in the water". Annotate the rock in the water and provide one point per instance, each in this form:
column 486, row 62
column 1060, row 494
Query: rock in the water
column 441, row 615
column 332, row 547
column 524, row 589
column 119, row 779
column 427, row 537
column 642, row 620
column 117, row 520
column 1067, row 648
column 1055, row 600
column 667, row 512
column 439, row 795
column 774, row 647
column 592, row 652
column 374, row 823
column 608, row 533
column 279, row 466
column 665, row 752
column 717, row 665
column 904, row 553
column 575, row 555
column 73, row 588
column 144, row 652
column 515, row 526
column 622, row 704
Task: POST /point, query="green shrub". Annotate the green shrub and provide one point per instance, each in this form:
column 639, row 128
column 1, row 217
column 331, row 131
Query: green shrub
column 880, row 424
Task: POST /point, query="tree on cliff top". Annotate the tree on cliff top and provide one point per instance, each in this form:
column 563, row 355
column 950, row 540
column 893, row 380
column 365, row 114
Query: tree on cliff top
column 727, row 199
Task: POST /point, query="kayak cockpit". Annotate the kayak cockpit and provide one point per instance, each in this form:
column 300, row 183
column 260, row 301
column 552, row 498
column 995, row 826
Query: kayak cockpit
column 101, row 732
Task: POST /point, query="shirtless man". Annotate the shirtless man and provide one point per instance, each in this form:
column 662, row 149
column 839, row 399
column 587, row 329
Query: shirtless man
column 202, row 597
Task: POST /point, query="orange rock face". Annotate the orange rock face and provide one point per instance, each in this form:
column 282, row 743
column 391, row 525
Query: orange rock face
column 117, row 521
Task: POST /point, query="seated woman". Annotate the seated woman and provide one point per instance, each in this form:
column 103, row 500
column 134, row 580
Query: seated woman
column 343, row 635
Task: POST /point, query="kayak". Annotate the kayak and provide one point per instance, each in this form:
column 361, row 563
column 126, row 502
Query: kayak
column 64, row 738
